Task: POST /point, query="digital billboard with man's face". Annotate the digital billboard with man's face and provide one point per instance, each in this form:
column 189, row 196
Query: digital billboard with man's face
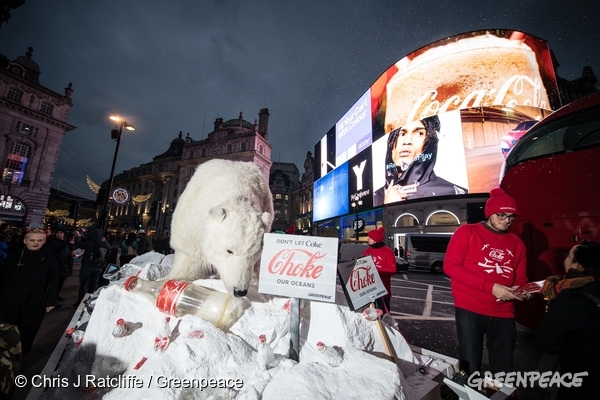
column 425, row 135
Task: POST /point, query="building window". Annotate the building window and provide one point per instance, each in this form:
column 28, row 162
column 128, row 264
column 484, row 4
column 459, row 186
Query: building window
column 47, row 108
column 278, row 196
column 243, row 146
column 27, row 129
column 16, row 163
column 442, row 218
column 203, row 152
column 15, row 94
column 229, row 148
column 407, row 219
column 9, row 203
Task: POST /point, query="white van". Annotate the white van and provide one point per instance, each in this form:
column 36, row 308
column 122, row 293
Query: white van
column 426, row 250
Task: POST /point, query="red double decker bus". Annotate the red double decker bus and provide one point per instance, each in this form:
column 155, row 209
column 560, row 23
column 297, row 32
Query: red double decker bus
column 553, row 172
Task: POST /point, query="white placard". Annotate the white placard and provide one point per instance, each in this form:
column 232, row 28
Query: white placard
column 299, row 266
column 361, row 282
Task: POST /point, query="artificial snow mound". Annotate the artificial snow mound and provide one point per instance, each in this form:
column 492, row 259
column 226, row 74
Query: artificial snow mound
column 198, row 350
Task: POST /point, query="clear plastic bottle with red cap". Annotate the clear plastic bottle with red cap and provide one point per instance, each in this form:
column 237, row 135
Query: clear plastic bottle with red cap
column 121, row 329
column 180, row 298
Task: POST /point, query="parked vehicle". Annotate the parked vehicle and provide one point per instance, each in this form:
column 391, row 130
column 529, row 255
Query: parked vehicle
column 353, row 250
column 553, row 174
column 509, row 140
column 427, row 250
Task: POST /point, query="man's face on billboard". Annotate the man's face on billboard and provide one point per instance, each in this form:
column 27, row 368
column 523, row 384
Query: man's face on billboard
column 410, row 143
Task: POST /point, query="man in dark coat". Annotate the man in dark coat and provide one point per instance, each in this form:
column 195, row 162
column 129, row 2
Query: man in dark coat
column 28, row 282
column 88, row 274
column 59, row 248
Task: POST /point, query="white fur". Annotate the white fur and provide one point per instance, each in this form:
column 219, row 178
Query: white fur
column 218, row 223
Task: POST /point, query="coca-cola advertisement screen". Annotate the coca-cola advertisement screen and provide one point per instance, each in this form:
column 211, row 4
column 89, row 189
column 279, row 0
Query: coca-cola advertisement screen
column 436, row 114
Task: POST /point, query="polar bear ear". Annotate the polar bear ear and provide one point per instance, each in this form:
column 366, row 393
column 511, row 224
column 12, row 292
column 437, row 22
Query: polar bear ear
column 266, row 218
column 218, row 213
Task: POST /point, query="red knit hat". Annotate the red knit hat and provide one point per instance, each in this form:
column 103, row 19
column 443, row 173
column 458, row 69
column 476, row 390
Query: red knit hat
column 500, row 202
column 377, row 234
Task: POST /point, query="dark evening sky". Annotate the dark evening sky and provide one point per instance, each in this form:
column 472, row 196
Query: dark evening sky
column 176, row 66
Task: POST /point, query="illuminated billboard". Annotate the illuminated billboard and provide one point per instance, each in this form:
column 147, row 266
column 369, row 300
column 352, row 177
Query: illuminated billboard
column 433, row 122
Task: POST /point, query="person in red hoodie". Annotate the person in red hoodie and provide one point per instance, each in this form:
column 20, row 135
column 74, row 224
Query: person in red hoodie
column 485, row 262
column 385, row 261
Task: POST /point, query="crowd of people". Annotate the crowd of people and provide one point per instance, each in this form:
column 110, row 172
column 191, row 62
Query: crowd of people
column 35, row 263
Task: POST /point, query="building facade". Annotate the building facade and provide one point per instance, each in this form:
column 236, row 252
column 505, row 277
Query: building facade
column 33, row 122
column 283, row 182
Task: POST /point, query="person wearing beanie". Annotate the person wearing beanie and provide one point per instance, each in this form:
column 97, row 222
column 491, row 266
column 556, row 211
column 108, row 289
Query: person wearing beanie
column 484, row 262
column 385, row 262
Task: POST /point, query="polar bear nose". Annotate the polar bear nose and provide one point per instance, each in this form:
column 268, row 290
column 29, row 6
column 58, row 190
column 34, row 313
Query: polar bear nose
column 239, row 293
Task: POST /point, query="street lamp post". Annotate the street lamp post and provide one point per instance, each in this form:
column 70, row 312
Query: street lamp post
column 356, row 204
column 116, row 135
column 166, row 214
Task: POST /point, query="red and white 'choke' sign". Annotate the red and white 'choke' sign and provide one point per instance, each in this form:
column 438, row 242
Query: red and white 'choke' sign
column 361, row 282
column 299, row 266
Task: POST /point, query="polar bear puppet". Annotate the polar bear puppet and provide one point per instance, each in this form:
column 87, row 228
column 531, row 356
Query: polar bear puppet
column 219, row 222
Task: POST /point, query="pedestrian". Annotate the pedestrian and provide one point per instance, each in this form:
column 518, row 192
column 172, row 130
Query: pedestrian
column 4, row 245
column 144, row 242
column 88, row 270
column 571, row 327
column 59, row 248
column 484, row 262
column 28, row 282
column 385, row 262
column 99, row 260
column 129, row 248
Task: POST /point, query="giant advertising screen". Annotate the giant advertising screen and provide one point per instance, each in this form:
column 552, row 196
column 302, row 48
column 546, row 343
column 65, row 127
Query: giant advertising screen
column 433, row 122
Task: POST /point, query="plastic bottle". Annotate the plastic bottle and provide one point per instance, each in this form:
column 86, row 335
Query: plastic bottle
column 161, row 342
column 180, row 298
column 121, row 328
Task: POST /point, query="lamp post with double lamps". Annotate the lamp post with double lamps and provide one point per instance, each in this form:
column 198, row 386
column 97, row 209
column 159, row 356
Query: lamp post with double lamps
column 115, row 134
column 358, row 224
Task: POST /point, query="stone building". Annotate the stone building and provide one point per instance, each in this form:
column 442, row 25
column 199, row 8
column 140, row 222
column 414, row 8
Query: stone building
column 302, row 199
column 283, row 181
column 33, row 122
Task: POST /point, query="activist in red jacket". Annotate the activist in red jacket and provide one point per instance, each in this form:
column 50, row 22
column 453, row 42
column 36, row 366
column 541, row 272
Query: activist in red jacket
column 484, row 262
column 385, row 261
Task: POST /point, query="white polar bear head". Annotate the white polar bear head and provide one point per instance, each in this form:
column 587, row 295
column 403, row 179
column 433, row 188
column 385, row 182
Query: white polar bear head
column 236, row 241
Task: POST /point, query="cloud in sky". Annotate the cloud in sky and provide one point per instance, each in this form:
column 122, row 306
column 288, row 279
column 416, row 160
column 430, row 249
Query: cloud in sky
column 167, row 67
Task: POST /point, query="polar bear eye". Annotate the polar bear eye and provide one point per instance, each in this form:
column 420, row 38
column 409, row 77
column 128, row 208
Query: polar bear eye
column 229, row 251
